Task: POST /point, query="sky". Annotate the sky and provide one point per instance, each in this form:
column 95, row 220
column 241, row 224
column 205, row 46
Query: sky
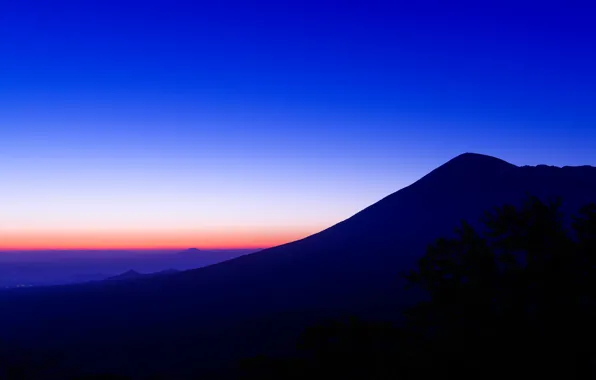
column 220, row 124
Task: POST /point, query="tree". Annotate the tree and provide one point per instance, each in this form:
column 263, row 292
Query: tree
column 514, row 299
column 521, row 294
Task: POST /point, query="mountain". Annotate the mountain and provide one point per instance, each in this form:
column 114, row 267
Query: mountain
column 190, row 251
column 259, row 301
column 126, row 275
column 131, row 274
column 41, row 268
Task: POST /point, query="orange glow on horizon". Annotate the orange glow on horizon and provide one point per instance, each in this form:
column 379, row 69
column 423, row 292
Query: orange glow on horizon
column 94, row 240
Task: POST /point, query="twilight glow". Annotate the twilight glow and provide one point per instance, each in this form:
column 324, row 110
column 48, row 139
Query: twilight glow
column 236, row 124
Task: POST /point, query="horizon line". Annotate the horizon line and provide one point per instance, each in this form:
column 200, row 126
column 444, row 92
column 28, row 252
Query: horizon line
column 91, row 249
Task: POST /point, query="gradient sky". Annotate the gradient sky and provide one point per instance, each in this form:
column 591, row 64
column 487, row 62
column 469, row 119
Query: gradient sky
column 249, row 124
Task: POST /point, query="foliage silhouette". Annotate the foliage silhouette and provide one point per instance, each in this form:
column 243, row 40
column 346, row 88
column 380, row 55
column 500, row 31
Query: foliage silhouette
column 516, row 299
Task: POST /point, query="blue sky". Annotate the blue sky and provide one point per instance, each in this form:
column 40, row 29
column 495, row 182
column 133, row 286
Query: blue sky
column 252, row 123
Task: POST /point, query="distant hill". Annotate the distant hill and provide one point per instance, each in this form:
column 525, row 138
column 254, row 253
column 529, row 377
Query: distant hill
column 40, row 268
column 190, row 251
column 126, row 275
column 257, row 301
column 131, row 274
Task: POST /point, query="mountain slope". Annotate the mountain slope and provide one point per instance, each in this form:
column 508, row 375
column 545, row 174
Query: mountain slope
column 351, row 267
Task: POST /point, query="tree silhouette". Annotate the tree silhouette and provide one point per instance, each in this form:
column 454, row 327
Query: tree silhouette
column 514, row 299
column 520, row 296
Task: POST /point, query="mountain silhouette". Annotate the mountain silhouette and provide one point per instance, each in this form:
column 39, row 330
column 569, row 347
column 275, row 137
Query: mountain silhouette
column 243, row 305
column 126, row 275
column 131, row 274
column 190, row 251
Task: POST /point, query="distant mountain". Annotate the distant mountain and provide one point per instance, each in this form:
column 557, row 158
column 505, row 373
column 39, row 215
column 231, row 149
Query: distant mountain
column 255, row 302
column 190, row 251
column 131, row 274
column 126, row 275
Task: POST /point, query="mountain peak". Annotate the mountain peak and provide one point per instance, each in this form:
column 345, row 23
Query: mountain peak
column 190, row 251
column 126, row 275
column 471, row 165
column 477, row 159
